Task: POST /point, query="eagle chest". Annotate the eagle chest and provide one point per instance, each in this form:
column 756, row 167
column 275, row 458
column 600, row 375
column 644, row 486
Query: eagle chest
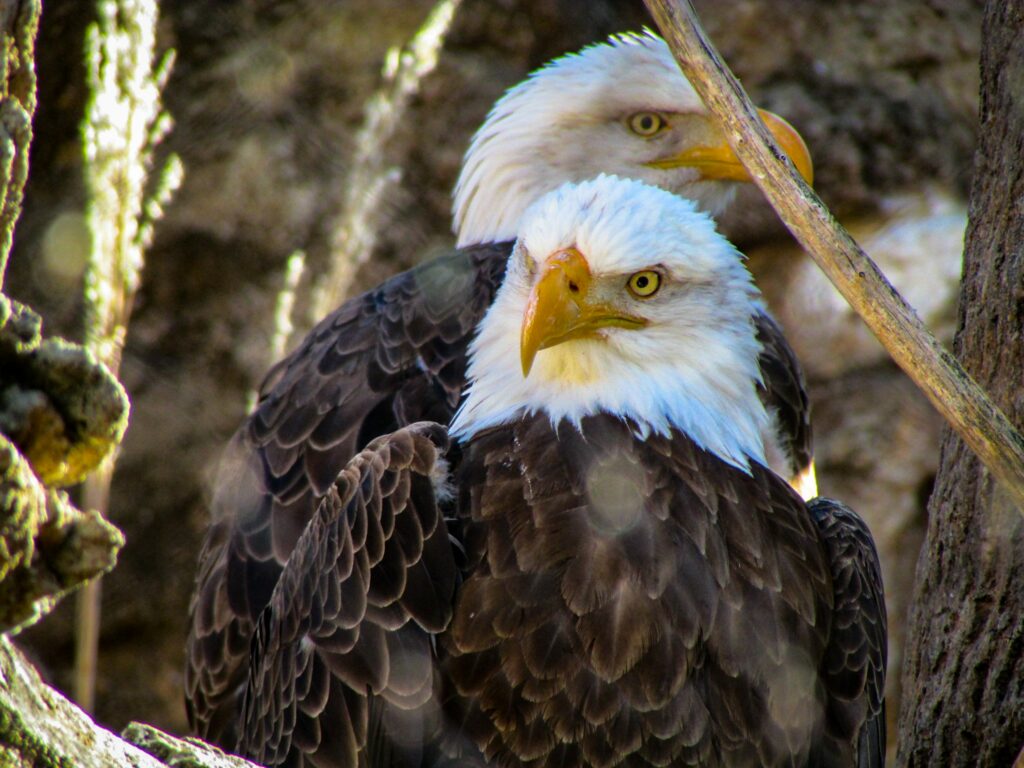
column 612, row 583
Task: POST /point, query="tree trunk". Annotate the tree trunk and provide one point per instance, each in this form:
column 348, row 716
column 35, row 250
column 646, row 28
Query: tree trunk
column 964, row 675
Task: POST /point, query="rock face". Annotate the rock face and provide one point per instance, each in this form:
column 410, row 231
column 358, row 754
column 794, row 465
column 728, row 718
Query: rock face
column 268, row 98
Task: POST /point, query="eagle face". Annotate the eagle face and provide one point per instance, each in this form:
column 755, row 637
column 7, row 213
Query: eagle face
column 622, row 298
column 622, row 108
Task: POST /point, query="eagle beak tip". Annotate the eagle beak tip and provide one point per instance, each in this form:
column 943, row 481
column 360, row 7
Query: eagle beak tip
column 526, row 360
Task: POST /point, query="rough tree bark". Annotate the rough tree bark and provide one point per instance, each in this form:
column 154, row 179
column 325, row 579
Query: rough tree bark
column 964, row 676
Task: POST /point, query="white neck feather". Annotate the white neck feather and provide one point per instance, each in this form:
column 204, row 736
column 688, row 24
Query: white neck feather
column 704, row 386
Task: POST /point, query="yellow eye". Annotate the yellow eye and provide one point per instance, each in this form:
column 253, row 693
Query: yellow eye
column 647, row 123
column 644, row 284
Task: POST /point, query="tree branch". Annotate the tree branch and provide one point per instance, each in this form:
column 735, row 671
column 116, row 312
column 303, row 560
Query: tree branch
column 935, row 371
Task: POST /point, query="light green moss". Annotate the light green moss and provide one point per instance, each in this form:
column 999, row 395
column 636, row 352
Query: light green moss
column 20, row 745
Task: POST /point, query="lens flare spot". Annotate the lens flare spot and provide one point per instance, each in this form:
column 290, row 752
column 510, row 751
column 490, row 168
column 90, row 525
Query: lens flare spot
column 66, row 247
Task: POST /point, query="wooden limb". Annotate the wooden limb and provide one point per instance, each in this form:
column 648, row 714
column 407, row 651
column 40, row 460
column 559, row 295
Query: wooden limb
column 62, row 412
column 180, row 753
column 95, row 495
column 935, row 371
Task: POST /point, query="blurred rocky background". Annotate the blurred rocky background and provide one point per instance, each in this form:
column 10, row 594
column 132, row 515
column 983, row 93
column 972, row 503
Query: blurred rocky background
column 276, row 104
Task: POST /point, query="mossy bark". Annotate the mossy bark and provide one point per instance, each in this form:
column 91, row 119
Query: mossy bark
column 19, row 22
column 61, row 413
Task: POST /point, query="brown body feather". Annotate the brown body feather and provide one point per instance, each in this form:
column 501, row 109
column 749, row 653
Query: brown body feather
column 342, row 661
column 626, row 602
column 383, row 360
column 634, row 602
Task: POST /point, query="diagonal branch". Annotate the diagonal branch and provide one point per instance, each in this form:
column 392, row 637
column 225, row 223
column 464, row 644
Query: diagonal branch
column 935, row 371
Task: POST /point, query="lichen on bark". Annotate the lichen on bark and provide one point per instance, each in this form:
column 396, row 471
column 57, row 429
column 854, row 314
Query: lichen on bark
column 180, row 753
column 20, row 22
column 39, row 728
column 58, row 404
column 61, row 413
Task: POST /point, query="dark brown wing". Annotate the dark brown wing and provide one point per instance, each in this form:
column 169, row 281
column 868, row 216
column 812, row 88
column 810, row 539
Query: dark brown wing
column 633, row 602
column 854, row 669
column 383, row 360
column 342, row 664
column 784, row 394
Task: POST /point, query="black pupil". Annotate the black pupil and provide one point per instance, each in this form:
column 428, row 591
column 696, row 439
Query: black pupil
column 647, row 122
column 641, row 282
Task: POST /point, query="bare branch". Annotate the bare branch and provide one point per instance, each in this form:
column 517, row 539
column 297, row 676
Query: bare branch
column 284, row 308
column 935, row 371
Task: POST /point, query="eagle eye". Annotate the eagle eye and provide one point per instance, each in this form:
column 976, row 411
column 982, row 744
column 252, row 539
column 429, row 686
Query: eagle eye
column 647, row 124
column 644, row 284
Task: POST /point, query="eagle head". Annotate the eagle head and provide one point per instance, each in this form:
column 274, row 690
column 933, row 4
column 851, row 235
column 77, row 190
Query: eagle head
column 621, row 107
column 622, row 298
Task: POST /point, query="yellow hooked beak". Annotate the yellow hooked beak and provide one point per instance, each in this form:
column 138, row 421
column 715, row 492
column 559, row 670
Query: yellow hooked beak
column 719, row 162
column 562, row 307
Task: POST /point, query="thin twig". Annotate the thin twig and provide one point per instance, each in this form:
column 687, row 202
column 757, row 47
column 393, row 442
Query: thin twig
column 95, row 495
column 284, row 321
column 966, row 407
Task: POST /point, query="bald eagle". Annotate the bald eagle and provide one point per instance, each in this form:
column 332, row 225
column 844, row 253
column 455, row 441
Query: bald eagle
column 398, row 354
column 621, row 580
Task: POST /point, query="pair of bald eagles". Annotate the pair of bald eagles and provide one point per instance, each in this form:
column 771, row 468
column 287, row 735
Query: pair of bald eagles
column 526, row 505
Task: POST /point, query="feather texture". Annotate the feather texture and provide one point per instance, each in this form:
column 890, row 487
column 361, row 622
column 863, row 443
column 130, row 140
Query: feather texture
column 855, row 663
column 609, row 625
column 588, row 591
column 341, row 666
